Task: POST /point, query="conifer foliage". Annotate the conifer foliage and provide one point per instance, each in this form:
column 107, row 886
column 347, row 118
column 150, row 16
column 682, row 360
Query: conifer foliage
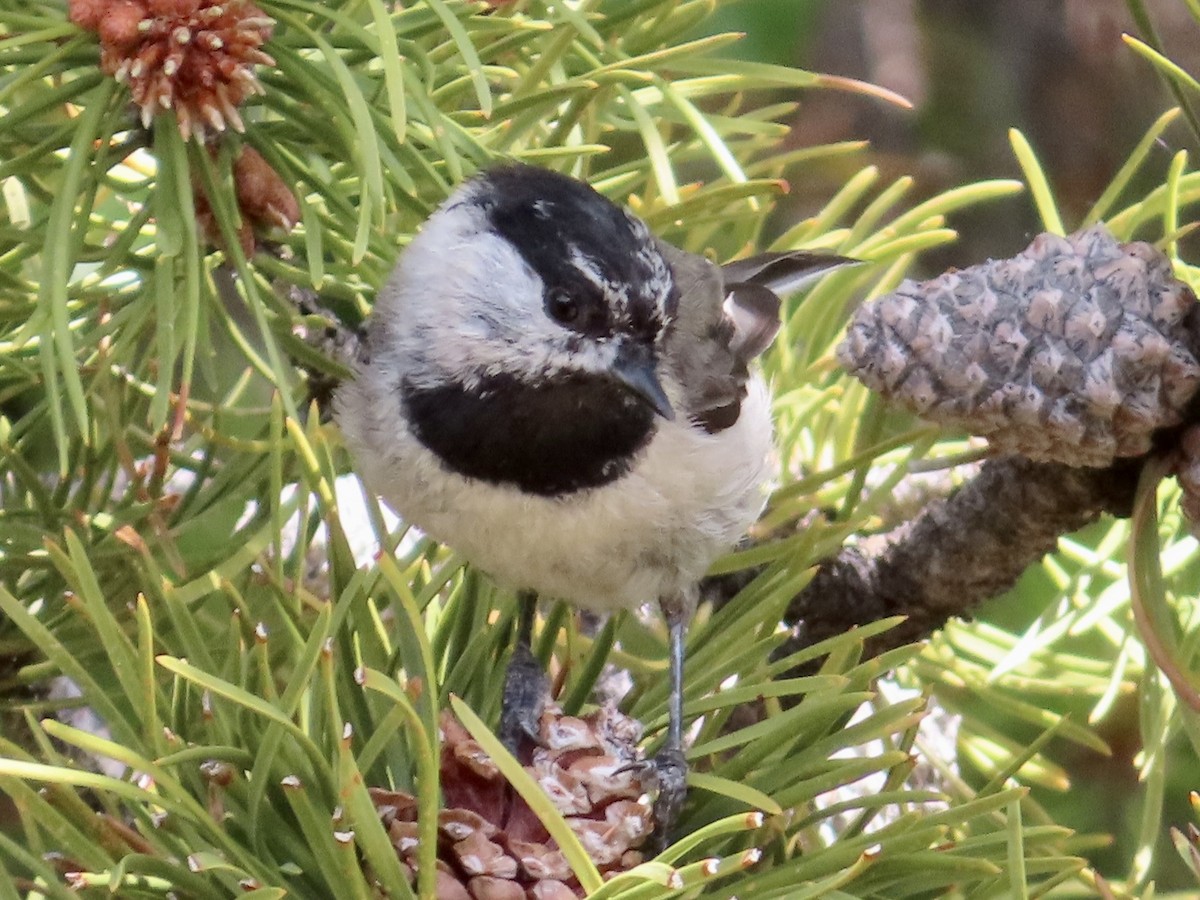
column 226, row 672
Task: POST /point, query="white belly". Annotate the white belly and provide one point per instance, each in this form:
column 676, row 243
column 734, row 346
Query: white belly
column 648, row 535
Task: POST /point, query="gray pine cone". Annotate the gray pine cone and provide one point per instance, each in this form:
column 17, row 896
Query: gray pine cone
column 1074, row 351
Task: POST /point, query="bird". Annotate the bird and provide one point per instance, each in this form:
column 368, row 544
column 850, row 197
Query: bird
column 568, row 402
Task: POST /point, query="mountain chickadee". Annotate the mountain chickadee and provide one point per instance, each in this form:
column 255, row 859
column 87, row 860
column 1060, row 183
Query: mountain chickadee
column 566, row 400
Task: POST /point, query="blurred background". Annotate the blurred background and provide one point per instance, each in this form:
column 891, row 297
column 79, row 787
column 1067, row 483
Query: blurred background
column 1058, row 71
column 1055, row 69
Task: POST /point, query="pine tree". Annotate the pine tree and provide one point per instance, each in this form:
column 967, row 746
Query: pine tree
column 227, row 672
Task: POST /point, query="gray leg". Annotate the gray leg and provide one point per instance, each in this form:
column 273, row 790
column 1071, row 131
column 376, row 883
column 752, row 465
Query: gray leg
column 669, row 762
column 525, row 685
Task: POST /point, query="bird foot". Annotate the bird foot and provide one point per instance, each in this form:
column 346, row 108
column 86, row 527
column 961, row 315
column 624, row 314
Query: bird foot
column 525, row 691
column 670, row 771
column 667, row 773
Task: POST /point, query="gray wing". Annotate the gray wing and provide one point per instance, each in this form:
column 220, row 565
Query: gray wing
column 783, row 272
column 728, row 315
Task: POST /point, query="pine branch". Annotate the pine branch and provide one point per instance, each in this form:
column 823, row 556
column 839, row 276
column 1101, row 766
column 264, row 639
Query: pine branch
column 959, row 552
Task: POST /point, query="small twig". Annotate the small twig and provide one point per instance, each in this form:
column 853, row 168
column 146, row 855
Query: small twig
column 959, row 551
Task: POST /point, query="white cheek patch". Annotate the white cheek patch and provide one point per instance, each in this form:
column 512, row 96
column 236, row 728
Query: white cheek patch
column 464, row 303
column 489, row 315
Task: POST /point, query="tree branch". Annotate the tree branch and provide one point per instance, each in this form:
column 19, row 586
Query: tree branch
column 959, row 551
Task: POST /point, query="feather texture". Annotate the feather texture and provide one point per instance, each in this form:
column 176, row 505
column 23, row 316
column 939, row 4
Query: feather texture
column 728, row 315
column 462, row 330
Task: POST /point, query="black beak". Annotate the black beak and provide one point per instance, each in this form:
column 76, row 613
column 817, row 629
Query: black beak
column 635, row 367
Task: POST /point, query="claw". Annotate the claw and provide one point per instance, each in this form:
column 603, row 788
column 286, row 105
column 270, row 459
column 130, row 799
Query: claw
column 670, row 771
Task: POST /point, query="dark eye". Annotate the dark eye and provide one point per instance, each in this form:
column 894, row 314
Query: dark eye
column 562, row 307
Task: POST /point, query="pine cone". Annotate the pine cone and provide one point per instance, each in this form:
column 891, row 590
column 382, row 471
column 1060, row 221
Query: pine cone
column 194, row 56
column 491, row 845
column 263, row 199
column 1074, row 351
